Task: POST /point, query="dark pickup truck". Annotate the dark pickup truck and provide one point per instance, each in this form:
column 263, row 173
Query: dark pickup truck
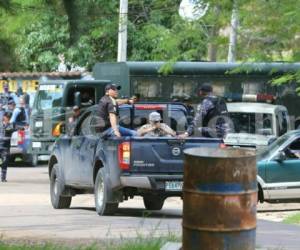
column 115, row 169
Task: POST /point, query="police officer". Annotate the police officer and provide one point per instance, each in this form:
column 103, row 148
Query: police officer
column 20, row 114
column 208, row 120
column 6, row 132
column 109, row 111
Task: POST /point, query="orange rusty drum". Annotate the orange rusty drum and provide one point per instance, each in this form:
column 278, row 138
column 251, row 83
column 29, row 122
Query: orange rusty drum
column 219, row 199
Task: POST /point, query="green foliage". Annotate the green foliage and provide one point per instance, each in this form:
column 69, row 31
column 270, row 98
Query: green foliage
column 35, row 31
column 42, row 41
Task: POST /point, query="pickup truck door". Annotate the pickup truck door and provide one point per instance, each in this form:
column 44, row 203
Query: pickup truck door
column 283, row 177
column 73, row 158
column 83, row 148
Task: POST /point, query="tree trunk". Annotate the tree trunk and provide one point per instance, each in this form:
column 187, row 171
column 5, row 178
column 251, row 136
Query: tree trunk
column 73, row 17
column 233, row 34
column 212, row 47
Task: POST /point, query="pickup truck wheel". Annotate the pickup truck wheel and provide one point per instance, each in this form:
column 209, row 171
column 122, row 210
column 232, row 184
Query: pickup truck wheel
column 153, row 202
column 56, row 187
column 34, row 160
column 102, row 192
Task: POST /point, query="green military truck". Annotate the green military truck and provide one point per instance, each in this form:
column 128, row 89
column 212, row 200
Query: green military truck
column 53, row 106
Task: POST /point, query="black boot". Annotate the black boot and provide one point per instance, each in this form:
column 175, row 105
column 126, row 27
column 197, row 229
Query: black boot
column 3, row 176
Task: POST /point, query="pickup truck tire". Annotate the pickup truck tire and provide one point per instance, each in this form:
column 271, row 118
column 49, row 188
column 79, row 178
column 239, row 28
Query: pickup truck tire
column 34, row 160
column 102, row 194
column 153, row 202
column 56, row 188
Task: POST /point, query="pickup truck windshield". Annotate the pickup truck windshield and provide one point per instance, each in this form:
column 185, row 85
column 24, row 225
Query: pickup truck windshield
column 252, row 123
column 49, row 96
column 273, row 147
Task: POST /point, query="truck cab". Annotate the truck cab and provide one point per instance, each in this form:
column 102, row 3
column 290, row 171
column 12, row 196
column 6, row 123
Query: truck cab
column 255, row 124
column 53, row 106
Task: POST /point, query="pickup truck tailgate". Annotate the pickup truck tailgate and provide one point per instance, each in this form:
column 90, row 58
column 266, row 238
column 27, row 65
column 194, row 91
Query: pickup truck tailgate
column 163, row 155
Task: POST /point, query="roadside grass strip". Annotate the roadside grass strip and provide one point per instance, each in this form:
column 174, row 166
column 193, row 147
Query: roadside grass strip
column 293, row 219
column 139, row 243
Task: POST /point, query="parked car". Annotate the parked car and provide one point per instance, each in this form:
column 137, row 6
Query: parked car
column 256, row 124
column 279, row 170
column 115, row 169
column 20, row 147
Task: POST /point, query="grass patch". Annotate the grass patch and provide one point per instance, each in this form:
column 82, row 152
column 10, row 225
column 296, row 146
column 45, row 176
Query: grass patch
column 139, row 243
column 293, row 219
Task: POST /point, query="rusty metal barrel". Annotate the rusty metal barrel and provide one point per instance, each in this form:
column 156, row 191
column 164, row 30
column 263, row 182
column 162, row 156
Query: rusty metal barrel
column 219, row 199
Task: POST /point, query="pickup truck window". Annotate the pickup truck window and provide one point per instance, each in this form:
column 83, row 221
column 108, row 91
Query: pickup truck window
column 88, row 95
column 125, row 120
column 252, row 123
column 267, row 152
column 178, row 120
column 49, row 96
column 173, row 116
column 282, row 122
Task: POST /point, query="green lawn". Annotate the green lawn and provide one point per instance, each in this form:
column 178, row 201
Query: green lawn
column 293, row 219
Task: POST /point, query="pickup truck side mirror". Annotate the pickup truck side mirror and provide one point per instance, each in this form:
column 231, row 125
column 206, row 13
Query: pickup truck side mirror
column 280, row 157
column 77, row 98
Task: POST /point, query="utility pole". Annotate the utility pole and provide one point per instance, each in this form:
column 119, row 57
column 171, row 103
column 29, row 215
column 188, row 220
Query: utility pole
column 233, row 33
column 122, row 36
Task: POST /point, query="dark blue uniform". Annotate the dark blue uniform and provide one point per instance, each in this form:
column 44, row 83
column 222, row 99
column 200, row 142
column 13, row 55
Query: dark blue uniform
column 6, row 132
column 204, row 121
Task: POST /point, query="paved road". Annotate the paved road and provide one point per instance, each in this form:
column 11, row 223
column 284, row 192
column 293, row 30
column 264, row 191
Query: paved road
column 26, row 212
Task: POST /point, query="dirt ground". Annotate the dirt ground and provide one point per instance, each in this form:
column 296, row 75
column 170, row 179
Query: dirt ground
column 277, row 212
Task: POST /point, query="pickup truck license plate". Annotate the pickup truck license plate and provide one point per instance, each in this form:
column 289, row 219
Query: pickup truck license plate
column 36, row 144
column 173, row 185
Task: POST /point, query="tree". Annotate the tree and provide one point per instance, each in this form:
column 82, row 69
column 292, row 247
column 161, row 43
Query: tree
column 86, row 31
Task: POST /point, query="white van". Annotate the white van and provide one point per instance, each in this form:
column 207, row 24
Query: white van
column 255, row 124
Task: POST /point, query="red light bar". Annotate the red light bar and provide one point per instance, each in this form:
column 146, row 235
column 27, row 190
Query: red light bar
column 150, row 106
column 265, row 97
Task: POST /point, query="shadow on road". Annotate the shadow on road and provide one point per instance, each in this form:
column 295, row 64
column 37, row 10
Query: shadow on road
column 278, row 210
column 139, row 212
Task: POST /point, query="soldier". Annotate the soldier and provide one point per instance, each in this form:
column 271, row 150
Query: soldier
column 210, row 117
column 6, row 132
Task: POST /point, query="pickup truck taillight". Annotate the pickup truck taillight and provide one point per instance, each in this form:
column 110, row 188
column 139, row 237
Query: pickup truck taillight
column 57, row 130
column 222, row 145
column 124, row 155
column 21, row 137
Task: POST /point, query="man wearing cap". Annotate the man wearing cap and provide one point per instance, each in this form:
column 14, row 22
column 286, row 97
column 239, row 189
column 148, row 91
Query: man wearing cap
column 109, row 111
column 206, row 118
column 155, row 128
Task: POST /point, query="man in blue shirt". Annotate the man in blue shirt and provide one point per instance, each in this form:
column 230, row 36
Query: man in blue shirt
column 20, row 114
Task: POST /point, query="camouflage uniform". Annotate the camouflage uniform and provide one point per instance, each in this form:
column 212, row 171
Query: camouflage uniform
column 164, row 130
column 6, row 132
column 201, row 121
